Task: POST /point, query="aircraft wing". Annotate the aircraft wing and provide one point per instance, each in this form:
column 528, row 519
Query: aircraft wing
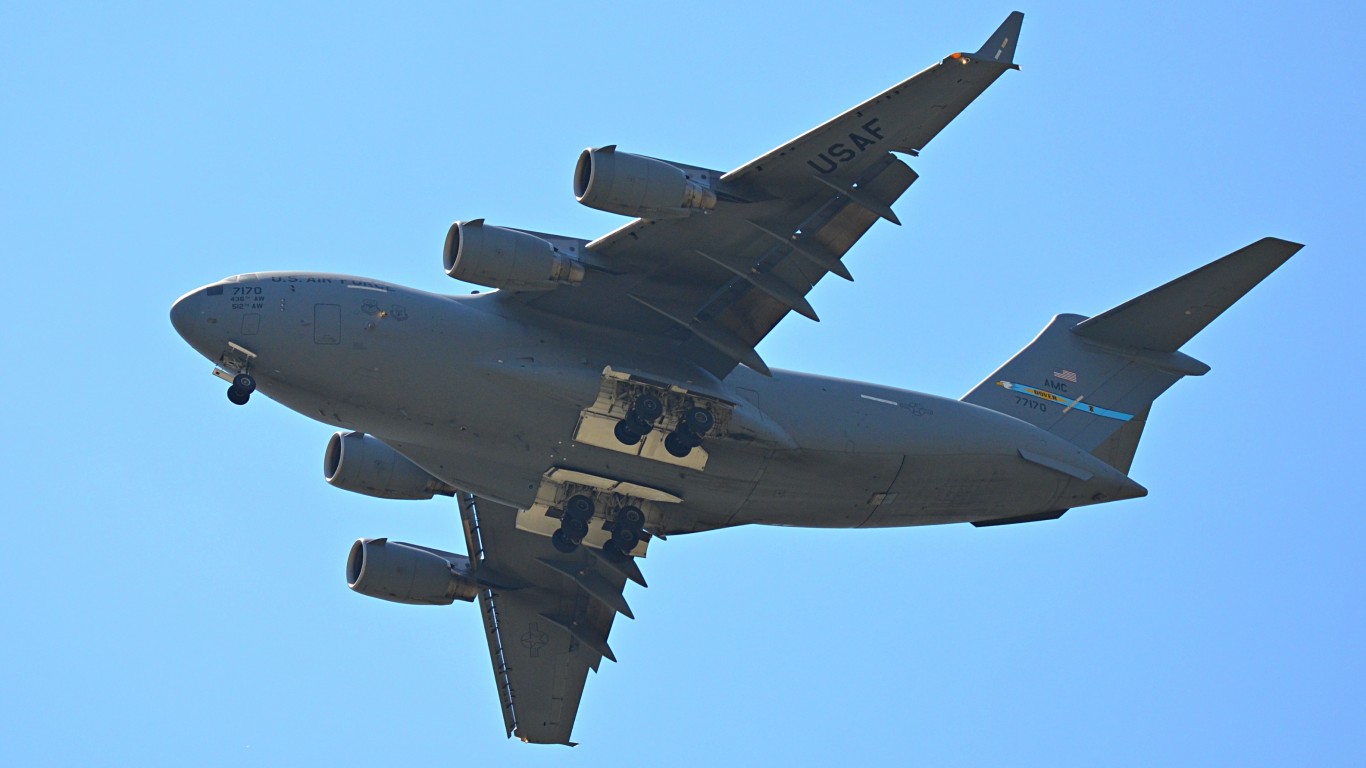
column 550, row 626
column 716, row 283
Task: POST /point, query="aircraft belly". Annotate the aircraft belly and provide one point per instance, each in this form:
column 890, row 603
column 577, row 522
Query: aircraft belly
column 820, row 489
column 471, row 439
column 494, row 418
column 961, row 462
column 934, row 489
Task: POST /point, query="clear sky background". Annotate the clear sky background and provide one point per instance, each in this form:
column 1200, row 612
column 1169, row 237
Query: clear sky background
column 172, row 578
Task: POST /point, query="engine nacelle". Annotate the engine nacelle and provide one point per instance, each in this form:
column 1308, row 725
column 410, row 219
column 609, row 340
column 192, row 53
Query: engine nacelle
column 506, row 258
column 634, row 185
column 407, row 573
column 362, row 464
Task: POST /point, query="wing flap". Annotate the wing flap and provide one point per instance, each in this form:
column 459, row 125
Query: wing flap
column 543, row 637
column 752, row 312
column 592, row 583
column 777, row 289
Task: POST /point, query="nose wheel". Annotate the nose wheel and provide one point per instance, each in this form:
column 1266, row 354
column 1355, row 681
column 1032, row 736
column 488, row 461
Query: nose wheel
column 237, row 358
column 239, row 392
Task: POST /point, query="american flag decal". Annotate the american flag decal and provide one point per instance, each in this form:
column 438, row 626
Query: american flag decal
column 1066, row 375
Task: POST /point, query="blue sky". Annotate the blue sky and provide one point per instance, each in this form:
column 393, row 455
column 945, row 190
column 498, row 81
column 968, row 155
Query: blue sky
column 173, row 565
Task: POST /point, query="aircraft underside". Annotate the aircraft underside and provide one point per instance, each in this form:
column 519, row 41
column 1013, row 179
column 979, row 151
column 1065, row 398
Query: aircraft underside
column 841, row 454
column 610, row 391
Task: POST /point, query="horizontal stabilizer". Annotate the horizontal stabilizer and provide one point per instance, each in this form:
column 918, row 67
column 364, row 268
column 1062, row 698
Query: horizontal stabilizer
column 1000, row 47
column 1165, row 318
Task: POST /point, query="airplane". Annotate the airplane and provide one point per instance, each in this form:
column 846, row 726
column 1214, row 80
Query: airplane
column 608, row 394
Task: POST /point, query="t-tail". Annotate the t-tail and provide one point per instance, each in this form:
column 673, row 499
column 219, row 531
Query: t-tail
column 1092, row 381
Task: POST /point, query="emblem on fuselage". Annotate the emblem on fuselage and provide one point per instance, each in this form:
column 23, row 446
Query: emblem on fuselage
column 1068, row 403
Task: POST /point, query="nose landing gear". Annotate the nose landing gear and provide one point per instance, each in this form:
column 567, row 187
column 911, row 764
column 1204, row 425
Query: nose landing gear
column 242, row 387
column 237, row 358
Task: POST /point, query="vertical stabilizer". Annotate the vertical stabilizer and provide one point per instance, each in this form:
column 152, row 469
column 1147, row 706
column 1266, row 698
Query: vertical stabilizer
column 1092, row 380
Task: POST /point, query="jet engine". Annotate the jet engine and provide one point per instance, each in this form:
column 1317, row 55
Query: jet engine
column 507, row 258
column 363, row 464
column 635, row 185
column 407, row 573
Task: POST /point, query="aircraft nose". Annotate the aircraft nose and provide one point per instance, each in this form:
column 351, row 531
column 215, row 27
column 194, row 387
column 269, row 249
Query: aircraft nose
column 184, row 312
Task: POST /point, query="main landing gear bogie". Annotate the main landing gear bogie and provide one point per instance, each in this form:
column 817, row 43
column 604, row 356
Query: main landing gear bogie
column 573, row 523
column 628, row 529
column 627, row 532
column 693, row 425
column 639, row 420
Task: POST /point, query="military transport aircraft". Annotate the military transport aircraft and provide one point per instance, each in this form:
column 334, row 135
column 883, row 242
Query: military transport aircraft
column 608, row 394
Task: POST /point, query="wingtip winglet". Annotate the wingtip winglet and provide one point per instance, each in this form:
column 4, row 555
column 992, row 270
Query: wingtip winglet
column 1000, row 47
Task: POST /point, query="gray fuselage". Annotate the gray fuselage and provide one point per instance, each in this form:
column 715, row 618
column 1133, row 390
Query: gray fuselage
column 485, row 395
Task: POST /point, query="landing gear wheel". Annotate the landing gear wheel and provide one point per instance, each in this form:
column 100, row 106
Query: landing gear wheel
column 579, row 506
column 626, row 539
column 698, row 421
column 238, row 396
column 574, row 528
column 630, row 517
column 628, row 432
column 562, row 542
column 648, row 408
column 680, row 444
column 244, row 382
column 613, row 553
column 574, row 520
